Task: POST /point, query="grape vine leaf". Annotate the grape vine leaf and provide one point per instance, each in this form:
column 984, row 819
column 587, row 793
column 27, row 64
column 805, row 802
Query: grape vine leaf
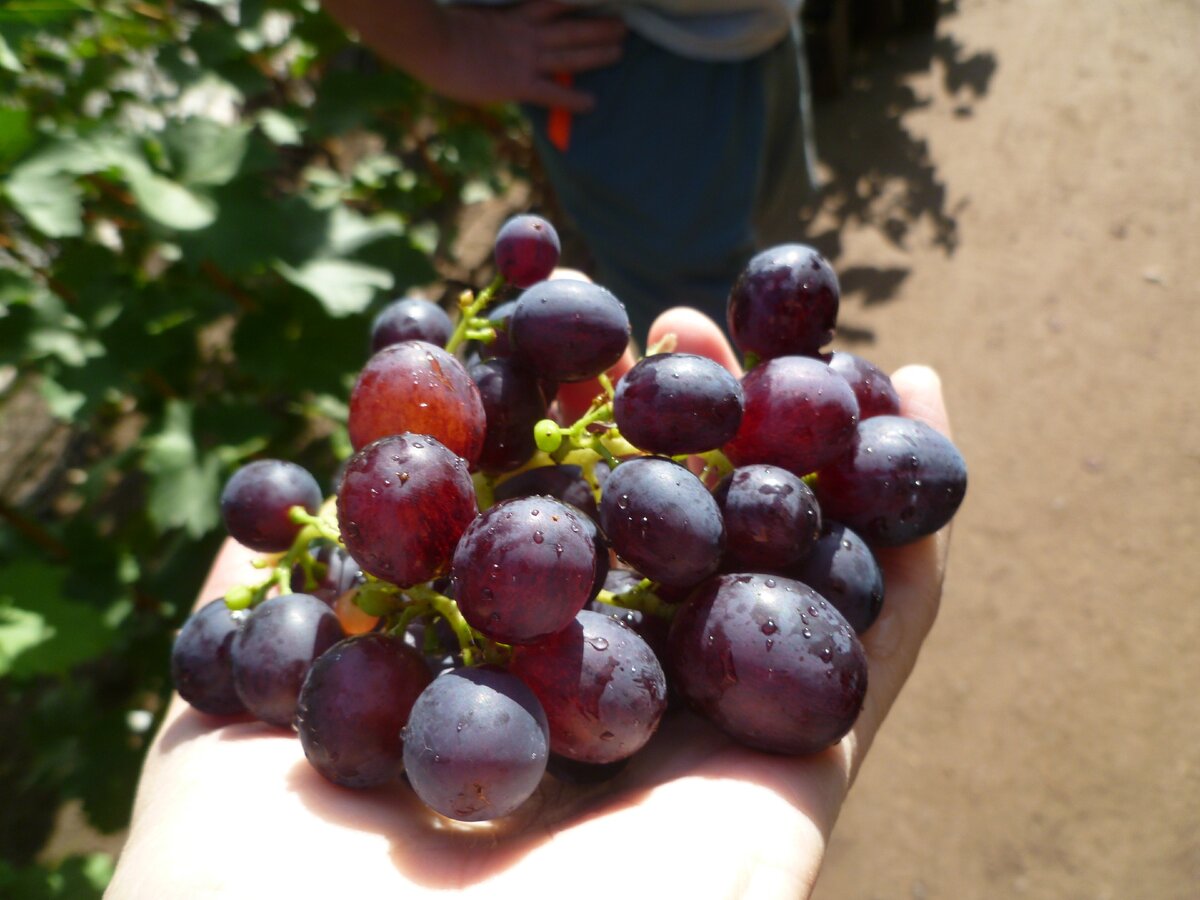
column 43, row 632
column 342, row 286
column 183, row 486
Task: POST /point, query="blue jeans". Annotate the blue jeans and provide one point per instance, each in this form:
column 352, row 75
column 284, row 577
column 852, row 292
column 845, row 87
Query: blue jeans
column 669, row 177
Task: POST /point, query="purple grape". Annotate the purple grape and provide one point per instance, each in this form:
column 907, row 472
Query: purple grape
column 662, row 521
column 800, row 415
column 513, row 403
column 524, row 568
column 201, row 667
column 843, row 570
column 410, row 319
column 673, row 403
column 565, row 483
column 256, row 499
column 404, row 503
column 353, row 704
column 769, row 662
column 771, row 518
column 650, row 628
column 476, row 744
column 784, row 303
column 527, row 250
column 271, row 654
column 569, row 330
column 872, row 387
column 601, row 685
column 901, row 481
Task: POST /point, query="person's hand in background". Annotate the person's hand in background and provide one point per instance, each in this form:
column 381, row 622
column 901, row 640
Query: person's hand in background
column 232, row 808
column 488, row 54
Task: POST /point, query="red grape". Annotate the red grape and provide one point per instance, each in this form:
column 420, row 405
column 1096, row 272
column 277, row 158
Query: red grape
column 405, row 501
column 417, row 387
column 800, row 415
column 785, row 302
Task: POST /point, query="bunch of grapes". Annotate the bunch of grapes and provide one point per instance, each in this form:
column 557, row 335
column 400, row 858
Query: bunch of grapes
column 494, row 591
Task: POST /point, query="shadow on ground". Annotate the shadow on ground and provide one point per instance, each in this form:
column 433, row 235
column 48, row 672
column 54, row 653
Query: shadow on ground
column 878, row 173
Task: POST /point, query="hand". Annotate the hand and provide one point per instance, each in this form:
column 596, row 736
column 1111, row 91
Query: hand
column 489, row 54
column 232, row 809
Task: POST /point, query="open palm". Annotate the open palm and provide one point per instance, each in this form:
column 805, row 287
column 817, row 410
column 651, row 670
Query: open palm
column 231, row 808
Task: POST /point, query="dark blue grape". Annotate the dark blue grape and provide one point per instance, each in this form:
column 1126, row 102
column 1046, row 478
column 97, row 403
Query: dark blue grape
column 353, row 704
column 843, row 570
column 410, row 319
column 901, row 481
column 256, row 499
column 769, row 662
column 771, row 519
column 675, row 403
column 527, row 250
column 524, row 568
column 201, row 667
column 272, row 652
column 476, row 744
column 662, row 521
column 569, row 330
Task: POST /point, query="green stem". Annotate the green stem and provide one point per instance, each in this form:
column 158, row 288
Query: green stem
column 641, row 597
column 471, row 307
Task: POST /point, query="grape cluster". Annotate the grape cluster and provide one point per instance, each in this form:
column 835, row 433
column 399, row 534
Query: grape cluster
column 495, row 593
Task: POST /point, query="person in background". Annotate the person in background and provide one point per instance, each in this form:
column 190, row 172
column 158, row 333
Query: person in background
column 675, row 133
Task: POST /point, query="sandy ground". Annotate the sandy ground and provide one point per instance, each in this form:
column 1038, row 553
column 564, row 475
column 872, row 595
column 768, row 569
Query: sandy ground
column 1017, row 202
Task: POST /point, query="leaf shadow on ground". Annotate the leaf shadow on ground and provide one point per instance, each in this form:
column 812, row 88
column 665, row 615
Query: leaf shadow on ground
column 878, row 173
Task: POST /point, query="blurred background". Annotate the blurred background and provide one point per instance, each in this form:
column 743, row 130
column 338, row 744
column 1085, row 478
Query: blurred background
column 202, row 204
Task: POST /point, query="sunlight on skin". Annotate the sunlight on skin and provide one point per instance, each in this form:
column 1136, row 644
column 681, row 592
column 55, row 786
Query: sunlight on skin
column 231, row 808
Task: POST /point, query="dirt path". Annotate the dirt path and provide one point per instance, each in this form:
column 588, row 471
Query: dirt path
column 1017, row 202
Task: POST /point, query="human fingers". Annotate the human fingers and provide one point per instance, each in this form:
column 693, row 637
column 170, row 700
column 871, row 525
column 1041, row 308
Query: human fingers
column 551, row 93
column 695, row 333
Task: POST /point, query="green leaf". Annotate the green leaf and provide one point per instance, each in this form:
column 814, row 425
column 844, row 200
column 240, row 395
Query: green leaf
column 43, row 632
column 16, row 133
column 342, row 286
column 8, row 59
column 48, row 200
column 170, row 203
column 63, row 403
column 183, row 488
column 279, row 128
column 349, row 231
column 204, row 152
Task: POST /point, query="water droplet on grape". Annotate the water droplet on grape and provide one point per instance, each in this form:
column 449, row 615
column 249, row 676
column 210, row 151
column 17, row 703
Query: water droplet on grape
column 769, row 627
column 538, row 537
column 598, row 643
column 806, row 633
column 623, row 501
